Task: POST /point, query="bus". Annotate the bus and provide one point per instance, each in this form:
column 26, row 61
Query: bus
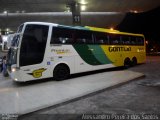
column 43, row 50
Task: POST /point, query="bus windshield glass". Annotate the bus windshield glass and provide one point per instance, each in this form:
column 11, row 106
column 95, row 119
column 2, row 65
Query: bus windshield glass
column 33, row 44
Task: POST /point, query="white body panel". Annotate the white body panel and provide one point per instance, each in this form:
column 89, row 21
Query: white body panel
column 52, row 58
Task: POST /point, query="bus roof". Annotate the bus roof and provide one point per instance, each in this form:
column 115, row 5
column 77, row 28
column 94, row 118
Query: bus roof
column 74, row 27
column 42, row 23
column 112, row 31
column 87, row 28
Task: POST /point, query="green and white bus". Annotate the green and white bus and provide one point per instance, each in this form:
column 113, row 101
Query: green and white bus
column 43, row 50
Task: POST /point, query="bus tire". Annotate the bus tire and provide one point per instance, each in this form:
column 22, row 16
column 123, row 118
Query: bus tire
column 134, row 61
column 127, row 63
column 61, row 72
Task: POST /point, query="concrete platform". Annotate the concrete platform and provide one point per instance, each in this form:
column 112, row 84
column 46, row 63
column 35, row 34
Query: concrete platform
column 22, row 99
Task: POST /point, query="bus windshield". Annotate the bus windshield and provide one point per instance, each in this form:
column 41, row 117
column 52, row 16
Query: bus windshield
column 33, row 44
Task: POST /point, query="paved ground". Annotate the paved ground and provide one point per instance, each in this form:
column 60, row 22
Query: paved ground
column 129, row 101
column 25, row 98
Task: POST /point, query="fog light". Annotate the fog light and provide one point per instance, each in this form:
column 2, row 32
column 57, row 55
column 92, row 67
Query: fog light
column 16, row 79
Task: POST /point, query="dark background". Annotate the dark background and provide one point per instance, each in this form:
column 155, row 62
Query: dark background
column 147, row 23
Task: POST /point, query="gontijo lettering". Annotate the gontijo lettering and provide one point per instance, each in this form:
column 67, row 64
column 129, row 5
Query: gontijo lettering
column 118, row 49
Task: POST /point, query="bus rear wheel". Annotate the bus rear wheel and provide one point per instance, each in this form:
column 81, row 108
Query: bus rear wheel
column 61, row 72
column 127, row 63
column 134, row 61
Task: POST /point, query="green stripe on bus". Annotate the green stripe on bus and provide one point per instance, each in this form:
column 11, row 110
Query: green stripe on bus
column 86, row 54
column 99, row 54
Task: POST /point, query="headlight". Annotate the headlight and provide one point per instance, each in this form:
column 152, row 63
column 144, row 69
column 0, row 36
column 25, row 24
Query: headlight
column 13, row 69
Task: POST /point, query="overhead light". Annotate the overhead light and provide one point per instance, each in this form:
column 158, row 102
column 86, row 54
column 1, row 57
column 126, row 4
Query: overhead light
column 83, row 2
column 17, row 11
column 67, row 9
column 83, row 8
column 134, row 11
column 5, row 12
column 7, row 29
column 23, row 11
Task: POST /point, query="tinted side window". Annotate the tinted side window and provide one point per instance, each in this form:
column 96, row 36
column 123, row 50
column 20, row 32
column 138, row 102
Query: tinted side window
column 83, row 37
column 114, row 39
column 62, row 36
column 125, row 40
column 140, row 40
column 101, row 38
column 133, row 40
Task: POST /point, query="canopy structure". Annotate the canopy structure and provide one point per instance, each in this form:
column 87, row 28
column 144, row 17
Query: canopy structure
column 99, row 13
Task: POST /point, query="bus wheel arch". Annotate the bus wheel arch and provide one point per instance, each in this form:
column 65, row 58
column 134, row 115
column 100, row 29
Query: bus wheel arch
column 127, row 62
column 61, row 72
column 134, row 61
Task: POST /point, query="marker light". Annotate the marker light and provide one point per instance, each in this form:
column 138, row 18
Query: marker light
column 111, row 28
column 83, row 2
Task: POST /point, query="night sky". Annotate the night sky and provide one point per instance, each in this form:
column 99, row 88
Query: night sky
column 147, row 23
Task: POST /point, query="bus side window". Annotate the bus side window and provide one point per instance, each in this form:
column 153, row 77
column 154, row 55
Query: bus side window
column 140, row 40
column 62, row 36
column 133, row 40
column 83, row 37
column 114, row 39
column 101, row 38
column 125, row 40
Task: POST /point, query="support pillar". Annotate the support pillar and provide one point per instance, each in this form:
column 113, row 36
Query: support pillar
column 76, row 13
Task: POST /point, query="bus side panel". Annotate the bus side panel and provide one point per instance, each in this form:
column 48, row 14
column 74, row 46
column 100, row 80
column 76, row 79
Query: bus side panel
column 138, row 52
column 141, row 54
column 115, row 56
column 61, row 54
column 91, row 57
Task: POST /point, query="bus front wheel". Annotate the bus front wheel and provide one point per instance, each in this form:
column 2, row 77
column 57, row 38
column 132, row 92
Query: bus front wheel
column 61, row 72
